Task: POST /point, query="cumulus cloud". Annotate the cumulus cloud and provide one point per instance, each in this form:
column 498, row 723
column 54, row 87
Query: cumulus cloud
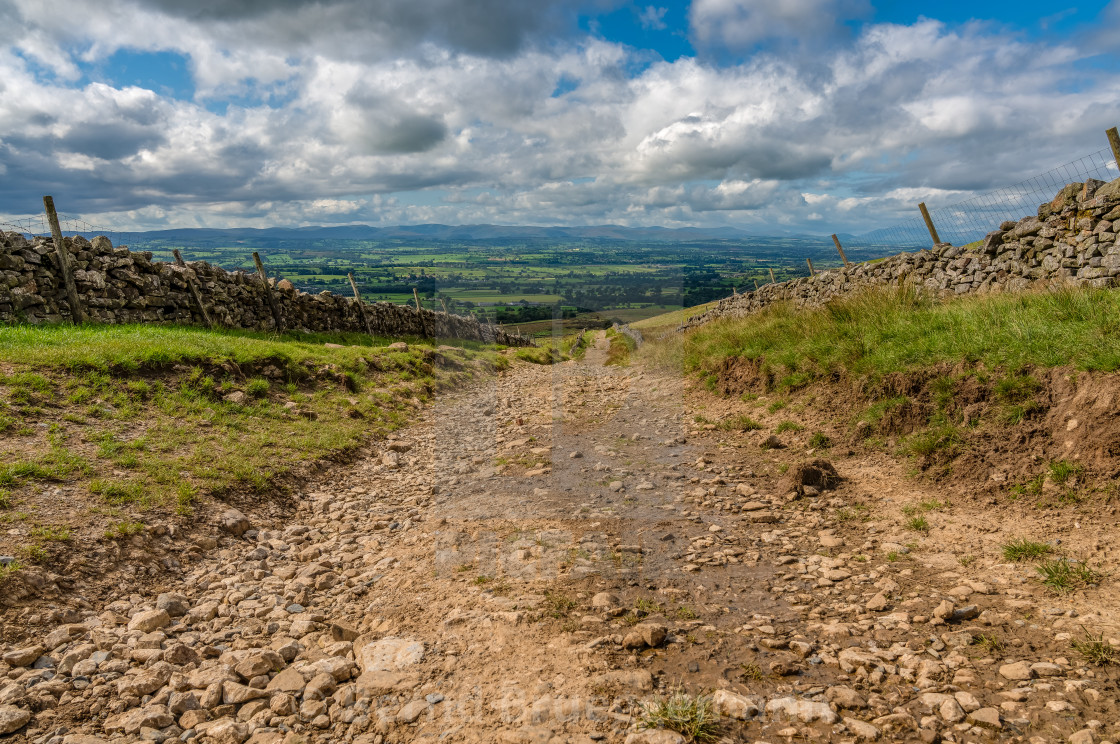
column 289, row 124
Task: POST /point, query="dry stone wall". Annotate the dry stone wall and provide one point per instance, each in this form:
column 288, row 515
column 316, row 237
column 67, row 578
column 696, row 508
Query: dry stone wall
column 1072, row 240
column 116, row 285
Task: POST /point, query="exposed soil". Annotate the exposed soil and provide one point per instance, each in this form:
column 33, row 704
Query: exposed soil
column 540, row 554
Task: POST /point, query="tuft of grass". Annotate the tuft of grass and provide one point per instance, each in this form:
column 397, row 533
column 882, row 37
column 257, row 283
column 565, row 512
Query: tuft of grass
column 990, row 643
column 740, row 423
column 124, row 529
column 8, row 570
column 1095, row 649
column 52, row 533
column 258, row 387
column 1022, row 549
column 5, row 498
column 558, row 605
column 820, row 440
column 918, row 524
column 1063, row 471
column 785, row 426
column 692, row 716
column 752, row 671
column 684, row 612
column 1063, row 576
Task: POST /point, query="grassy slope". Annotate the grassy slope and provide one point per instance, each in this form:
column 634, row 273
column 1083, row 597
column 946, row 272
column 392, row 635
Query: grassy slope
column 885, row 331
column 127, row 424
column 911, row 367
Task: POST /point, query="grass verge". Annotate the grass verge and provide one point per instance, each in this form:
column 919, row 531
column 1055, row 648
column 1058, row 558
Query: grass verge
column 105, row 428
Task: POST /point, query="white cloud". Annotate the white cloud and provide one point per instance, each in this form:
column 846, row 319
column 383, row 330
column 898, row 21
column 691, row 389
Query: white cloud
column 340, row 133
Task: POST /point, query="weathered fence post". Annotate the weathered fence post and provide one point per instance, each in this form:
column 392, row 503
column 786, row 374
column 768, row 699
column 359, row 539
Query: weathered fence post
column 76, row 314
column 416, row 296
column 772, row 279
column 810, row 262
column 1114, row 140
column 361, row 305
column 929, row 223
column 443, row 301
column 840, row 249
column 268, row 292
column 195, row 295
column 755, row 283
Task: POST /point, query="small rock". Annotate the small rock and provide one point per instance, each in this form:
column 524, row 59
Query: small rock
column 12, row 718
column 733, row 705
column 986, row 718
column 1020, row 670
column 234, row 522
column 149, row 620
column 654, row 736
column 23, row 657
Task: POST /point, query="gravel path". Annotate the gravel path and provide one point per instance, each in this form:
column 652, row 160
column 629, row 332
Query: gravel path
column 543, row 551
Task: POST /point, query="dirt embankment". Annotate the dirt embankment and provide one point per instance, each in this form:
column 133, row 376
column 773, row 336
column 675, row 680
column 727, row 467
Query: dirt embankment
column 986, row 431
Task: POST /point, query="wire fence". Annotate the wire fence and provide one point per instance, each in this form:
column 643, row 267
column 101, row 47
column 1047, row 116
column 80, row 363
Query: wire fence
column 31, row 227
column 970, row 220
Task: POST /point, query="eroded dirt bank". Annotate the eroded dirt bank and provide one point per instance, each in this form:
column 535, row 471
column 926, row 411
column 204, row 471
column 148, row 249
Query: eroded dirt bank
column 540, row 553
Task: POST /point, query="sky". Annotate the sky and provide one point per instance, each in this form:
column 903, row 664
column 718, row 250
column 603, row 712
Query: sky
column 775, row 116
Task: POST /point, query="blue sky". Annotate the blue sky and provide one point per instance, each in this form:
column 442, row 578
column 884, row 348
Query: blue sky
column 776, row 116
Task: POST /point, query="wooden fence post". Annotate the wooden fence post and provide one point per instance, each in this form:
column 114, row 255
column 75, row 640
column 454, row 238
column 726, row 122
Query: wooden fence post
column 361, row 305
column 840, row 249
column 268, row 292
column 416, row 296
column 810, row 262
column 443, row 301
column 772, row 279
column 929, row 223
column 1114, row 140
column 195, row 295
column 755, row 284
column 77, row 315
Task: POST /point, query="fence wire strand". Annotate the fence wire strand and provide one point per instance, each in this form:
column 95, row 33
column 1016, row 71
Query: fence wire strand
column 38, row 226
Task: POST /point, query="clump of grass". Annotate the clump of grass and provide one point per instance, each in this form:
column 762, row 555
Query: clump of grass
column 918, row 524
column 258, row 387
column 990, row 643
column 1063, row 576
column 777, row 406
column 117, row 493
column 785, row 426
column 942, row 438
column 1022, row 549
column 124, row 529
column 820, row 440
column 1095, row 649
column 1062, row 471
column 647, row 606
column 5, row 498
column 752, row 671
column 558, row 605
column 740, row 423
column 692, row 716
column 8, row 570
column 684, row 612
column 52, row 533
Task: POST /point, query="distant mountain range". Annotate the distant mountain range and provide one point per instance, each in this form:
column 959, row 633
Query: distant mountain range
column 466, row 233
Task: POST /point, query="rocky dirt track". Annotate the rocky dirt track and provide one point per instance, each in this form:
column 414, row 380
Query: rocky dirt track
column 542, row 552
